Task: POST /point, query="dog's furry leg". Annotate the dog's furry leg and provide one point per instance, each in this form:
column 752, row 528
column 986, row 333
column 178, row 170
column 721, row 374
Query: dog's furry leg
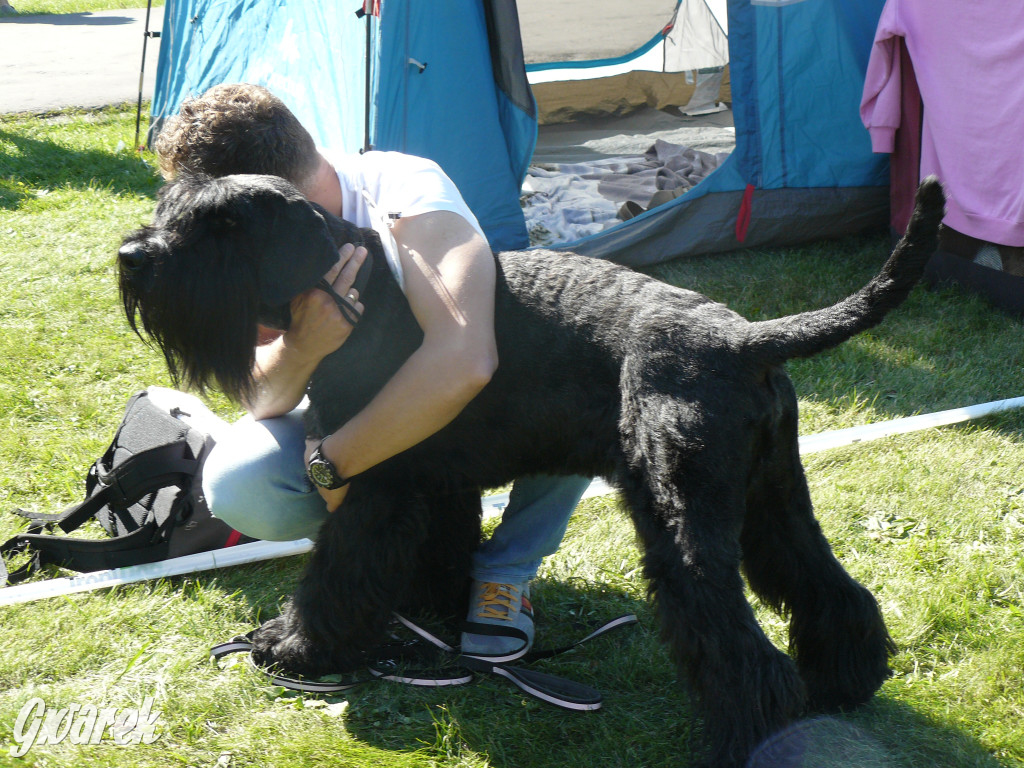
column 363, row 563
column 688, row 513
column 837, row 634
column 746, row 689
column 441, row 584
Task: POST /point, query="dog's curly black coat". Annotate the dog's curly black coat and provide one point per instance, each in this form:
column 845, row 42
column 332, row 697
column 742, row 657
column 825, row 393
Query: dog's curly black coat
column 680, row 402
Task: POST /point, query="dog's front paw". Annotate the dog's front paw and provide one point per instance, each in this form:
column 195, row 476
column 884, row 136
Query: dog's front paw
column 280, row 644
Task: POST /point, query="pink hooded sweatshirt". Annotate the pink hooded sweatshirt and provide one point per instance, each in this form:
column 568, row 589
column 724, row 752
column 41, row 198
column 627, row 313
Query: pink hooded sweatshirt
column 968, row 58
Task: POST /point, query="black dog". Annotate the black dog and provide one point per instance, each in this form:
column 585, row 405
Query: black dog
column 680, row 402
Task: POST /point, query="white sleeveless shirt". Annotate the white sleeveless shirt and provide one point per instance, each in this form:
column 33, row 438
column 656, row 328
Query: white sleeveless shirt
column 378, row 188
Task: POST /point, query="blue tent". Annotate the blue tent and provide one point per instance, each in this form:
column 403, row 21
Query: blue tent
column 431, row 72
column 448, row 81
column 802, row 168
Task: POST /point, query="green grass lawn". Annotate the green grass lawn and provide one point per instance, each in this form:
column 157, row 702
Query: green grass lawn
column 932, row 522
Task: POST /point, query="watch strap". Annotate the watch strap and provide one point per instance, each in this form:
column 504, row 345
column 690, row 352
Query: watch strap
column 317, row 457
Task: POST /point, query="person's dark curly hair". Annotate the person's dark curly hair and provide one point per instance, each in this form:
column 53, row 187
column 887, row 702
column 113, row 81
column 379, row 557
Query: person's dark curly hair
column 237, row 128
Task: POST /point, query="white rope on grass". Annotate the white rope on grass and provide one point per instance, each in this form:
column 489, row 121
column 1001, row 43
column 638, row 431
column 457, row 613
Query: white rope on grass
column 867, row 432
column 493, row 505
column 240, row 554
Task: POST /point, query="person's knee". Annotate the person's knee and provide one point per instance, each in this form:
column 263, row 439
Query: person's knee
column 249, row 491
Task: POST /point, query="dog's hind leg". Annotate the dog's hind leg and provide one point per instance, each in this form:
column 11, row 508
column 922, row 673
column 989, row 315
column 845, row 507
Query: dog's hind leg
column 688, row 510
column 746, row 688
column 837, row 635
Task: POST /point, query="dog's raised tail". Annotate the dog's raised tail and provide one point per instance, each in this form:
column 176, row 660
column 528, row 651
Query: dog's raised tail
column 808, row 333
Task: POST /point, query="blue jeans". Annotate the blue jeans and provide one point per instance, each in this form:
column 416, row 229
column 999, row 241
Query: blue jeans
column 255, row 480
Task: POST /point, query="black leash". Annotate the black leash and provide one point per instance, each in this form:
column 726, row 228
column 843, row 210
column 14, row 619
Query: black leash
column 431, row 662
column 345, row 305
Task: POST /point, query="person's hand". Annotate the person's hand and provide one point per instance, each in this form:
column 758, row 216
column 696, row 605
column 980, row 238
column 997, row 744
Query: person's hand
column 333, row 498
column 318, row 327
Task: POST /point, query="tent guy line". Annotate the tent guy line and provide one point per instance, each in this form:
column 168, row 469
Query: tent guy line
column 492, row 505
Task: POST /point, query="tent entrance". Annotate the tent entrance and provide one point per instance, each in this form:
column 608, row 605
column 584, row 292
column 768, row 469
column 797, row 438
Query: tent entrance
column 597, row 172
column 628, row 119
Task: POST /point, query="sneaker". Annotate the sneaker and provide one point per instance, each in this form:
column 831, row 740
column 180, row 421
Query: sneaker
column 8, row 10
column 503, row 606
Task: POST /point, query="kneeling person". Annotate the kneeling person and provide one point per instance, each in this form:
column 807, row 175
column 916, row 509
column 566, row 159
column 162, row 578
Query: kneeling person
column 256, row 478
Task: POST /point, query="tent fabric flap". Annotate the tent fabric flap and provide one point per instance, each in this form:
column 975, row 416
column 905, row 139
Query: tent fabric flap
column 432, row 81
column 437, row 98
column 300, row 51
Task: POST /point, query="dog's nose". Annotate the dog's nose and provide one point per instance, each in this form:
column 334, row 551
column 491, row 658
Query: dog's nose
column 132, row 256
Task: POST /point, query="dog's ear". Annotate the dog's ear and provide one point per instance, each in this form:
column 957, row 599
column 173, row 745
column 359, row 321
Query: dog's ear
column 197, row 299
column 290, row 239
column 342, row 231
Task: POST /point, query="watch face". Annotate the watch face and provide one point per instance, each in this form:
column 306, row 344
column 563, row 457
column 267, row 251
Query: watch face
column 321, row 474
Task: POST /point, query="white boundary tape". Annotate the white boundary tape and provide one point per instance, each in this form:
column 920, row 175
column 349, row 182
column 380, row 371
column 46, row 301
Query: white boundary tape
column 203, row 561
column 867, row 432
column 492, row 505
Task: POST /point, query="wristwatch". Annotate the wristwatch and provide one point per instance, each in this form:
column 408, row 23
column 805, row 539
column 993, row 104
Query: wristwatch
column 322, row 472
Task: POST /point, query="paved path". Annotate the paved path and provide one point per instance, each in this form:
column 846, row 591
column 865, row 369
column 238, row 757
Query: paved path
column 93, row 59
column 75, row 60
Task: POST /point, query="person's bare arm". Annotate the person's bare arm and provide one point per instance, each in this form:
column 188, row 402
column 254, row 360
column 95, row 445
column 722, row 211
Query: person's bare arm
column 284, row 365
column 450, row 276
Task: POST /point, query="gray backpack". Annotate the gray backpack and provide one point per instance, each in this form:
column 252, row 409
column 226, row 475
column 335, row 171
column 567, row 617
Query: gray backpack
column 144, row 491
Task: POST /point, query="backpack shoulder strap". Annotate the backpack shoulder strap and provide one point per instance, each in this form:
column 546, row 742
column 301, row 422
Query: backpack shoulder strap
column 84, row 554
column 143, row 473
column 138, row 475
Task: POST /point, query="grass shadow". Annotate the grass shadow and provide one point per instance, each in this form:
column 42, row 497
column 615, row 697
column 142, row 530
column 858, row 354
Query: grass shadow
column 491, row 716
column 13, row 194
column 40, row 162
column 646, row 712
column 494, row 719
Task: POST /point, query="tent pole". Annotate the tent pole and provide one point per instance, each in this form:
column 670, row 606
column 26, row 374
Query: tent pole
column 366, row 95
column 142, row 71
